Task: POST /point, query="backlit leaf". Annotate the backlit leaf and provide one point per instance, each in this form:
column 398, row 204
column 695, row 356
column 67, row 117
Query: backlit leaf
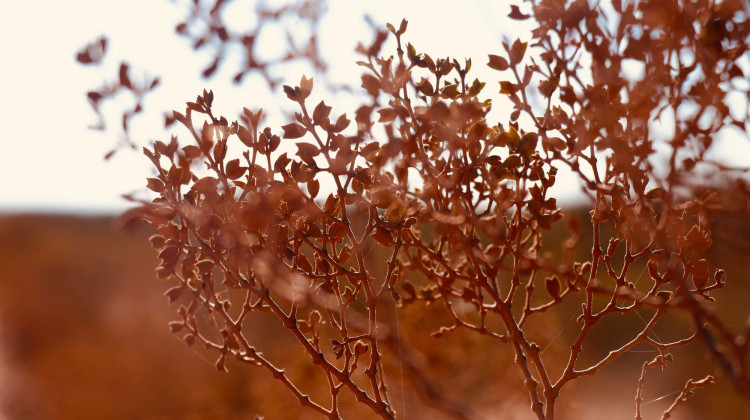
column 517, row 51
column 498, row 63
column 293, row 131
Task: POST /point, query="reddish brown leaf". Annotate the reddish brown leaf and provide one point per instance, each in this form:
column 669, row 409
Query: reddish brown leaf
column 515, row 13
column 517, row 51
column 498, row 63
column 124, row 77
column 305, row 86
column 553, row 286
column 321, row 112
column 293, row 131
column 174, row 293
column 313, row 187
column 341, row 123
column 383, row 237
column 307, row 152
column 155, row 185
column 234, row 170
column 402, row 27
column 387, row 115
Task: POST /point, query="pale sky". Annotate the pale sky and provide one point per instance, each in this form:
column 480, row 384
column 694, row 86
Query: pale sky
column 51, row 162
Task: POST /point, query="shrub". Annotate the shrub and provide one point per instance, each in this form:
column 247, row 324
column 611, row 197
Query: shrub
column 416, row 200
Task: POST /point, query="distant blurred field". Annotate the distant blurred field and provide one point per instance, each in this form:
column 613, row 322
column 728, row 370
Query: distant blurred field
column 83, row 335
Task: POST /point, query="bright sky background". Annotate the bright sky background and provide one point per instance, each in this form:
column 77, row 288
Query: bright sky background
column 51, row 162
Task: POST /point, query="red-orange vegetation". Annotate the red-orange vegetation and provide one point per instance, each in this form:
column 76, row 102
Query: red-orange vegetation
column 282, row 224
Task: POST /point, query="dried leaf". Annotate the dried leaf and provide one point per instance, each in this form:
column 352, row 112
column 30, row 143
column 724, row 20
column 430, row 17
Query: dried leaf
column 124, row 77
column 307, row 152
column 515, row 13
column 498, row 63
column 553, row 286
column 313, row 187
column 700, row 273
column 341, row 123
column 154, row 184
column 305, row 86
column 321, row 112
column 174, row 293
column 383, row 236
column 402, row 26
column 517, row 51
column 234, row 170
column 293, row 131
column 387, row 115
column 191, row 151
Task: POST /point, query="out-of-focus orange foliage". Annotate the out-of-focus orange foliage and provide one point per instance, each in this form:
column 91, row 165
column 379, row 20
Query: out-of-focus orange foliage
column 344, row 226
column 106, row 351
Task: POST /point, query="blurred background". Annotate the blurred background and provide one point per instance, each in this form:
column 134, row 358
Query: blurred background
column 83, row 323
